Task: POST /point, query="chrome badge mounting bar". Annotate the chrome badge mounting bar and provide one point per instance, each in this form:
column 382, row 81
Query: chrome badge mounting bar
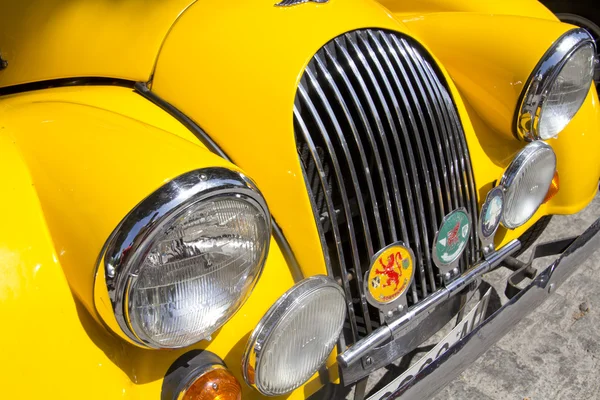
column 386, row 332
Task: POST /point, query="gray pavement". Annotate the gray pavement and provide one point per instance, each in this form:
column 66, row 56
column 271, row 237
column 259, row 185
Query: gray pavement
column 554, row 353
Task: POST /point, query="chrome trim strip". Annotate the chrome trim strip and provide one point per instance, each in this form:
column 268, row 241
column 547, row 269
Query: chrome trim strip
column 415, row 313
column 358, row 108
column 341, row 138
column 460, row 356
column 145, row 92
column 287, row 251
column 541, row 79
column 413, row 79
column 468, row 178
column 370, row 130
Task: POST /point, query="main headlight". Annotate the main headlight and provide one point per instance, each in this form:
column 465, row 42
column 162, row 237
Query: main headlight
column 294, row 338
column 526, row 182
column 185, row 259
column 557, row 87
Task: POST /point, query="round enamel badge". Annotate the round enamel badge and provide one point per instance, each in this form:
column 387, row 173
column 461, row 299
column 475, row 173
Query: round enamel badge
column 390, row 274
column 452, row 238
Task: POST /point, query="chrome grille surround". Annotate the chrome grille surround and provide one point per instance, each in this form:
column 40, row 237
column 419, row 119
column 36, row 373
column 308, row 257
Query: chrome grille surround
column 384, row 157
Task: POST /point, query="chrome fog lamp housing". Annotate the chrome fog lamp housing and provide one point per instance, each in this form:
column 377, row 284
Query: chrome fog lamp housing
column 185, row 259
column 295, row 337
column 557, row 87
column 526, row 182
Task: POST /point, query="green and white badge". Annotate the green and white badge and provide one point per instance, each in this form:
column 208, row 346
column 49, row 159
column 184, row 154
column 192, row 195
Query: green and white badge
column 451, row 240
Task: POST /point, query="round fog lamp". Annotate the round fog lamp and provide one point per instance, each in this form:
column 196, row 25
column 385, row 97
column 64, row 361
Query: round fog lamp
column 295, row 337
column 526, row 182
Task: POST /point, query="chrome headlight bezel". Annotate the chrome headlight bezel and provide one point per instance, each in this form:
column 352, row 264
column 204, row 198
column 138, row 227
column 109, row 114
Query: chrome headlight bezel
column 542, row 78
column 130, row 238
column 273, row 318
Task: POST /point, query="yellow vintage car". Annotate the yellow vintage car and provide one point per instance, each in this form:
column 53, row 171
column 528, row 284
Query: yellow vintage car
column 237, row 200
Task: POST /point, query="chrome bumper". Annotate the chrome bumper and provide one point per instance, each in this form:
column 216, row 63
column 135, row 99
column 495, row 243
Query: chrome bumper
column 443, row 370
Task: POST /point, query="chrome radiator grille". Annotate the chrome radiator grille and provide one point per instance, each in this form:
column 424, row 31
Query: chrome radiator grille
column 384, row 157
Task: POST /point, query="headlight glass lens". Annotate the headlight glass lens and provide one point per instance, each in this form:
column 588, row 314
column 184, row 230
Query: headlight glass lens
column 567, row 93
column 526, row 182
column 198, row 270
column 296, row 336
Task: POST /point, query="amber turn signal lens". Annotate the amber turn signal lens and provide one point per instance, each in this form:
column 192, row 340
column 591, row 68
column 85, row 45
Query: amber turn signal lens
column 553, row 189
column 217, row 384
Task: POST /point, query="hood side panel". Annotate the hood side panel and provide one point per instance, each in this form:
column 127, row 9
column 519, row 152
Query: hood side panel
column 53, row 39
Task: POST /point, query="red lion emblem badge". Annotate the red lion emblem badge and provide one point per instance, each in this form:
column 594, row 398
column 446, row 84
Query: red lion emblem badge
column 389, row 270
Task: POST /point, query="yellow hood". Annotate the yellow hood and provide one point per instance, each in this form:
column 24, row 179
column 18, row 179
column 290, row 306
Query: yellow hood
column 52, row 39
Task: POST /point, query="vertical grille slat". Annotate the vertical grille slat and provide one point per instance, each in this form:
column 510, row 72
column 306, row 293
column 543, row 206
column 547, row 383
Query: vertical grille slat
column 358, row 108
column 405, row 88
column 457, row 154
column 382, row 123
column 444, row 143
column 415, row 77
column 376, row 125
column 468, row 178
column 332, row 214
column 338, row 173
column 380, row 131
column 412, row 78
column 407, row 179
column 360, row 149
column 442, row 121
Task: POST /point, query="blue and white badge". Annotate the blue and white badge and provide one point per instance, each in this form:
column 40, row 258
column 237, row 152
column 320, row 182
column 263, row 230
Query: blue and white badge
column 490, row 217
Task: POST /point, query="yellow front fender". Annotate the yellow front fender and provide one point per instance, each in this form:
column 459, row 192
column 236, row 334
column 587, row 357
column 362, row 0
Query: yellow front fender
column 71, row 171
